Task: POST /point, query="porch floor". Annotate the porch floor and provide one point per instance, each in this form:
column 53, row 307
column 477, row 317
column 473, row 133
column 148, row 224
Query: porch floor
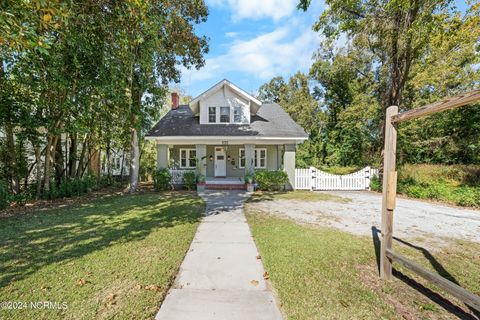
column 226, row 180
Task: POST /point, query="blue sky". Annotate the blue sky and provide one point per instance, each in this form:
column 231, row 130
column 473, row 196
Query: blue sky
column 252, row 41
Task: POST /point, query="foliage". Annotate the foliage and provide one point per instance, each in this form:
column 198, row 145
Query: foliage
column 4, row 195
column 201, row 178
column 162, row 179
column 271, row 180
column 189, row 180
column 148, row 161
column 71, row 187
column 456, row 184
column 249, row 177
column 99, row 249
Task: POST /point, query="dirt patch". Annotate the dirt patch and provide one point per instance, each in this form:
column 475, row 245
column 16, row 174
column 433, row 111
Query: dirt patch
column 413, row 219
column 421, row 303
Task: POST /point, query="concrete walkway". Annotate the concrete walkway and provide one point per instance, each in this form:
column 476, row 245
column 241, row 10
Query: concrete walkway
column 221, row 277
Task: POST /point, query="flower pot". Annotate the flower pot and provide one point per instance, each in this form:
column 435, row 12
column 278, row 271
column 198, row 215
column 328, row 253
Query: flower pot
column 200, row 187
column 250, row 187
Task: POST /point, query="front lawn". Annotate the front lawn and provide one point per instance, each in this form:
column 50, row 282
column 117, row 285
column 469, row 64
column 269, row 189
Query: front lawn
column 110, row 258
column 324, row 273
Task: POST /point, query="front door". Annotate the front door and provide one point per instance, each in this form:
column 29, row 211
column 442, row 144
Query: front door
column 220, row 162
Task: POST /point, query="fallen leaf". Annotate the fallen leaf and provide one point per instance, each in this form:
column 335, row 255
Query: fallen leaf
column 259, row 257
column 138, row 286
column 254, row 282
column 152, row 287
column 45, row 288
column 218, row 258
column 266, row 276
column 82, row 282
column 111, row 296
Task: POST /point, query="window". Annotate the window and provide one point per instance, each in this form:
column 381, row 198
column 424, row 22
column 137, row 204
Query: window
column 212, row 114
column 187, row 158
column 260, row 159
column 241, row 158
column 225, row 114
column 237, row 114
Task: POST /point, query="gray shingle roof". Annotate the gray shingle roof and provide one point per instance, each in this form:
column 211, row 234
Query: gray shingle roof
column 270, row 121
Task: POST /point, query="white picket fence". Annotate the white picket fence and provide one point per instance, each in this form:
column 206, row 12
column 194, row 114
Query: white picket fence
column 315, row 179
column 177, row 175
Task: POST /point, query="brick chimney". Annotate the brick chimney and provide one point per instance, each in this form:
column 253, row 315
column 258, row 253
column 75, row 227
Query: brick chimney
column 175, row 100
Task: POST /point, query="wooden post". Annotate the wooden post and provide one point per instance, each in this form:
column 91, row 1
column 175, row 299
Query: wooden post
column 387, row 213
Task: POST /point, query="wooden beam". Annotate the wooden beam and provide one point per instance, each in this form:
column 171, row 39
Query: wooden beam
column 443, row 105
column 391, row 189
column 389, row 152
column 455, row 290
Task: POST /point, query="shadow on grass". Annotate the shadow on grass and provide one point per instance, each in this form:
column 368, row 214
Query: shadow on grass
column 432, row 295
column 266, row 196
column 33, row 241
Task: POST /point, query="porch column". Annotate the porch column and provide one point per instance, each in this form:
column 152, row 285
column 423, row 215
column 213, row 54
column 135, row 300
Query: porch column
column 249, row 158
column 162, row 156
column 289, row 164
column 201, row 150
column 279, row 157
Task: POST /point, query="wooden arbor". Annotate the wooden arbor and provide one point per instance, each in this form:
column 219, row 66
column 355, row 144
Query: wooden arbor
column 387, row 256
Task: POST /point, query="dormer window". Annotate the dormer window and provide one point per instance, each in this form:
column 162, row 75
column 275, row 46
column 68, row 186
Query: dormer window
column 212, row 114
column 224, row 114
column 237, row 114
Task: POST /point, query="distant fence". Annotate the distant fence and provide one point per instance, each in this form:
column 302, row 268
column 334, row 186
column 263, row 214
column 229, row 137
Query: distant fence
column 315, row 179
column 177, row 175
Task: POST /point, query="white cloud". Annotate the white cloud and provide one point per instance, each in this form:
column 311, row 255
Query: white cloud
column 256, row 9
column 281, row 52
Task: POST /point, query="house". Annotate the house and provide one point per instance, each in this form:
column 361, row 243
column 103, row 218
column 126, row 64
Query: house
column 225, row 133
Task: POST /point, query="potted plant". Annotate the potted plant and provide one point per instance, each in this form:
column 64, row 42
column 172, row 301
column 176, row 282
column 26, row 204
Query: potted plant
column 201, row 183
column 249, row 178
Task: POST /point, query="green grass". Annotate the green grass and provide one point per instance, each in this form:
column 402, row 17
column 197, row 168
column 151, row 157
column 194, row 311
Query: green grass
column 296, row 195
column 324, row 273
column 110, row 258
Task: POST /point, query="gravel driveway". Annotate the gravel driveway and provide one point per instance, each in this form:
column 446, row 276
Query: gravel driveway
column 413, row 218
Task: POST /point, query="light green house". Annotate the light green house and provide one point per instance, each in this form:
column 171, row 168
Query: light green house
column 225, row 133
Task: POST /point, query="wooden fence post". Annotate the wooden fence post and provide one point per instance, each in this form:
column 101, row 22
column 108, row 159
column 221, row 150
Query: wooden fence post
column 388, row 191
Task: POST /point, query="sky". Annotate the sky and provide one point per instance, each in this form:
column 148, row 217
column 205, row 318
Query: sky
column 252, row 41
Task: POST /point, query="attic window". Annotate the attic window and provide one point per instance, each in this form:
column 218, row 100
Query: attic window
column 225, row 114
column 237, row 114
column 212, row 114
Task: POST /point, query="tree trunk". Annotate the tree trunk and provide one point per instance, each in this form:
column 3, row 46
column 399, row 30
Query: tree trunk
column 12, row 159
column 72, row 156
column 38, row 158
column 134, row 161
column 46, row 176
column 79, row 170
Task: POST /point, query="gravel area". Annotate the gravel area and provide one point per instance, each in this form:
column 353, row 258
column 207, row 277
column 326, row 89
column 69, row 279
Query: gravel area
column 413, row 218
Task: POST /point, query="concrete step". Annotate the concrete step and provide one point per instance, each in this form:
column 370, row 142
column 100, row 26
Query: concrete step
column 229, row 186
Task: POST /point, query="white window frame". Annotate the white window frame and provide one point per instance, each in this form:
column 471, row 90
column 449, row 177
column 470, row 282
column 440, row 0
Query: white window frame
column 240, row 114
column 208, row 114
column 256, row 158
column 240, row 157
column 220, row 114
column 187, row 154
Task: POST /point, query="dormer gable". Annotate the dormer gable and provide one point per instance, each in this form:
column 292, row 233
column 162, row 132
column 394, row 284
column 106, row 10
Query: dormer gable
column 225, row 103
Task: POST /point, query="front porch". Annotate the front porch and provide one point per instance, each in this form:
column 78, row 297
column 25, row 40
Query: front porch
column 225, row 165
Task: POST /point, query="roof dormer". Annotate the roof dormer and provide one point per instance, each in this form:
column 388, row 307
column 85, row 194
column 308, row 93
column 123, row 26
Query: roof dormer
column 225, row 103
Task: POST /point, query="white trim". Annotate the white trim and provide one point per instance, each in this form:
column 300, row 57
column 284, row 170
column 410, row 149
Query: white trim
column 240, row 157
column 222, row 138
column 255, row 151
column 219, row 85
column 187, row 153
column 258, row 150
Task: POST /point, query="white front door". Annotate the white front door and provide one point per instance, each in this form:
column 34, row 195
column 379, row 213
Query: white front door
column 220, row 162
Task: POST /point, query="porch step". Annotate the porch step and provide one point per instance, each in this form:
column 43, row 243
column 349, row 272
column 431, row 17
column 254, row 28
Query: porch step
column 225, row 186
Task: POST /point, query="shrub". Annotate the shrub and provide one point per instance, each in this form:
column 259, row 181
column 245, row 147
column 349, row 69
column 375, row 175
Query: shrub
column 4, row 195
column 375, row 184
column 162, row 179
column 271, row 180
column 189, row 180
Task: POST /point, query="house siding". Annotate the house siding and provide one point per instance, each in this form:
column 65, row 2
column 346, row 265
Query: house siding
column 224, row 97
